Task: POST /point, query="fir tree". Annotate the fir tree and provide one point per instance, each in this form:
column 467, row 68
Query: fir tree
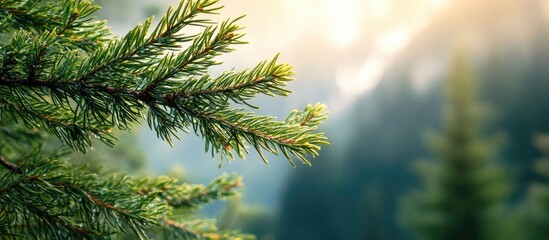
column 464, row 189
column 533, row 217
column 64, row 74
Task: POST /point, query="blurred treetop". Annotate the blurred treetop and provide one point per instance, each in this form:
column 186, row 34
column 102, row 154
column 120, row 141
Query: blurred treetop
column 464, row 189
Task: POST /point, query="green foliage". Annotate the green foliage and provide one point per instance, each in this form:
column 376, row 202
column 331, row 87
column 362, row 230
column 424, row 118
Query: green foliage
column 251, row 219
column 464, row 189
column 533, row 216
column 44, row 200
column 124, row 157
column 75, row 94
column 63, row 73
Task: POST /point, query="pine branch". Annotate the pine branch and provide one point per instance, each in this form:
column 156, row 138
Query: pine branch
column 199, row 230
column 170, row 224
column 233, row 128
column 192, row 196
column 72, row 20
column 29, row 15
column 174, row 227
column 78, row 27
column 135, row 47
column 266, row 78
column 118, row 83
column 57, row 121
column 64, row 73
column 259, row 131
column 196, row 58
column 51, row 197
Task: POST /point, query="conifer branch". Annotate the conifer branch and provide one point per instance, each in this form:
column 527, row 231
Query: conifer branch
column 189, row 232
column 26, row 15
column 135, row 47
column 63, row 72
column 196, row 58
column 199, row 230
column 35, row 184
column 236, row 128
column 78, row 27
column 267, row 79
column 192, row 196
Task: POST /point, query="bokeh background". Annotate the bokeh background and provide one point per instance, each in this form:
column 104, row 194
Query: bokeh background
column 381, row 66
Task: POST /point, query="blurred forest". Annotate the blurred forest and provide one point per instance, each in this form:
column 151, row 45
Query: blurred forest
column 360, row 185
column 361, row 200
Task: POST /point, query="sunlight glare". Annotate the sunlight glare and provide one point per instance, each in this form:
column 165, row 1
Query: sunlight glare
column 353, row 83
column 394, row 41
column 545, row 10
column 346, row 22
column 438, row 3
column 379, row 9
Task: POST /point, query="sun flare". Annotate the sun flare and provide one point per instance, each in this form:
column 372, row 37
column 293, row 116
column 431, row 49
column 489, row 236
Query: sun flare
column 346, row 23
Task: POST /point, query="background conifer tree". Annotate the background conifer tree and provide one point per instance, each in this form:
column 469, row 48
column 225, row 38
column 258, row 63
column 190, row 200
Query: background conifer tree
column 533, row 216
column 64, row 74
column 464, row 188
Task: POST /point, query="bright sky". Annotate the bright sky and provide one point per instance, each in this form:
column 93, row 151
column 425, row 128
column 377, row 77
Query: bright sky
column 387, row 43
column 362, row 37
column 348, row 42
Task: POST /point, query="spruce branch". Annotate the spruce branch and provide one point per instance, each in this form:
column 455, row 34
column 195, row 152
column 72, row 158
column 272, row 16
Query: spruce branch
column 199, row 230
column 72, row 20
column 137, row 49
column 126, row 79
column 74, row 204
column 189, row 196
column 266, row 78
column 196, row 58
column 63, row 72
column 167, row 35
column 258, row 129
column 170, row 225
column 225, row 129
column 57, row 121
column 29, row 15
column 78, row 27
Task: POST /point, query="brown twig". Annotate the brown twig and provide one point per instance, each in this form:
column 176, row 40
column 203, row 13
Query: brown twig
column 9, row 165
